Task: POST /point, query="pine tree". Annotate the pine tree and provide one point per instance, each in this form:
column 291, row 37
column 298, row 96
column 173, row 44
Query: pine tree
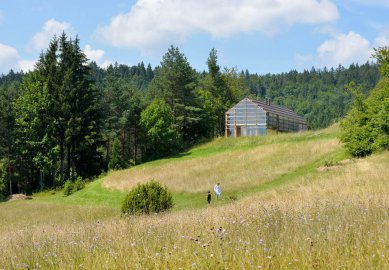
column 59, row 117
column 175, row 82
column 116, row 160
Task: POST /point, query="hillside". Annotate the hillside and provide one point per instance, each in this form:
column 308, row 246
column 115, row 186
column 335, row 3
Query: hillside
column 242, row 165
column 299, row 205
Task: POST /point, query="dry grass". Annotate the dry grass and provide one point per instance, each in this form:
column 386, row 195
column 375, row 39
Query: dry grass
column 235, row 169
column 325, row 220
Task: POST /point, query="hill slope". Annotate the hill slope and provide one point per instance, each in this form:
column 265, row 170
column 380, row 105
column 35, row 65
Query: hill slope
column 241, row 165
column 304, row 218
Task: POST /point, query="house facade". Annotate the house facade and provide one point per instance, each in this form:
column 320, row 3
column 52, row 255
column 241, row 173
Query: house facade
column 253, row 118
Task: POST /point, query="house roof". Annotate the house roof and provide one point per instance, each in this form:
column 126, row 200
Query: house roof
column 276, row 109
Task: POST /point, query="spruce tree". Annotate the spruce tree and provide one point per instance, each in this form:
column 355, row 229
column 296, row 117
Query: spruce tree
column 116, row 160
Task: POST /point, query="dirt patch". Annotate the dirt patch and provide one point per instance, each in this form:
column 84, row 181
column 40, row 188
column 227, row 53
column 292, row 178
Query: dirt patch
column 15, row 197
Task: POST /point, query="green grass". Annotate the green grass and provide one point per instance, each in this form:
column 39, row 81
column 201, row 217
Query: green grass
column 302, row 218
column 92, row 195
column 95, row 194
column 222, row 144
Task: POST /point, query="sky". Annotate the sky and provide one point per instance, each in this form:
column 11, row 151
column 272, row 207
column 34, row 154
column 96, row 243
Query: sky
column 262, row 36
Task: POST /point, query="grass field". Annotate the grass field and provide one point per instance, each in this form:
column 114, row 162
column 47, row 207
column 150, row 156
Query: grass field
column 295, row 217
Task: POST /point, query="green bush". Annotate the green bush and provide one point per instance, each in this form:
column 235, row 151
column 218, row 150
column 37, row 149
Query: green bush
column 147, row 198
column 78, row 184
column 68, row 188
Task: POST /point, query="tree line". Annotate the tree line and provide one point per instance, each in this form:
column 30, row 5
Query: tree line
column 70, row 118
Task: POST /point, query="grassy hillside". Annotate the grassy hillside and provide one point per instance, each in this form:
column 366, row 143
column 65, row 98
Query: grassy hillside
column 242, row 165
column 298, row 217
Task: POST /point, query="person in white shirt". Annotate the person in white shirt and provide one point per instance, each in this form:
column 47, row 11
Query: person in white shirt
column 218, row 190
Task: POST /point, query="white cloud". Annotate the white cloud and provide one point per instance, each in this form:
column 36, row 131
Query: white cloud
column 344, row 49
column 52, row 27
column 27, row 65
column 152, row 23
column 10, row 59
column 97, row 56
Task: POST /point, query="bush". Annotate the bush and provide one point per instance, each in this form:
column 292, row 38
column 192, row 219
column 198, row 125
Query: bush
column 147, row 198
column 78, row 184
column 70, row 187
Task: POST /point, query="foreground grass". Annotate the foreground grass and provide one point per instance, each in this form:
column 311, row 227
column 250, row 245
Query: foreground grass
column 332, row 219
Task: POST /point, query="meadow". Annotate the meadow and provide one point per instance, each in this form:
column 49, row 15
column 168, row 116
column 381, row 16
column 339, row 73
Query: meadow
column 286, row 216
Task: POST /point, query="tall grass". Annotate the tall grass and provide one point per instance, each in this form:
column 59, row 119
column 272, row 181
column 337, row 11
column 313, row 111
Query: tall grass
column 234, row 169
column 325, row 220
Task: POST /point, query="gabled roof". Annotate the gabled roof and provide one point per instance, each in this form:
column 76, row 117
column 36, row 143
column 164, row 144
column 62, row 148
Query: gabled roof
column 276, row 109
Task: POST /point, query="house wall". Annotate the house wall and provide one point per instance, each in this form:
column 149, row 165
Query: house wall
column 245, row 119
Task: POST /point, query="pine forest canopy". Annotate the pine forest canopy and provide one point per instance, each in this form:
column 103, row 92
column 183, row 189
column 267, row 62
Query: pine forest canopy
column 71, row 118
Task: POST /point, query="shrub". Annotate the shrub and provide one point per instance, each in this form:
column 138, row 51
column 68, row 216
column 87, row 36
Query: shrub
column 78, row 184
column 147, row 198
column 68, row 188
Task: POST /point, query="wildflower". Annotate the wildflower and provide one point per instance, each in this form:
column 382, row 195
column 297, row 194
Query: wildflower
column 194, row 264
column 269, row 257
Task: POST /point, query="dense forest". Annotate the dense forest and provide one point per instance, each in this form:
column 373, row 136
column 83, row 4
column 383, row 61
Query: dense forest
column 69, row 118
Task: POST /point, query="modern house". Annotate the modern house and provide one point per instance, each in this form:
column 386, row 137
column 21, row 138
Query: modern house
column 254, row 117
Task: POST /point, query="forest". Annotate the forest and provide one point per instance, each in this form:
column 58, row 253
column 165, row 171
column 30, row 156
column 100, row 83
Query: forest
column 69, row 118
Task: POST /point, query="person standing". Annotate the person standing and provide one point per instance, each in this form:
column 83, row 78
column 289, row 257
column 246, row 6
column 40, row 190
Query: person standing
column 218, row 190
column 209, row 197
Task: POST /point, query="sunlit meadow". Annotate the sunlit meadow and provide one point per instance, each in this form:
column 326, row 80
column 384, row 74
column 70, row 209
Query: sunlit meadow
column 335, row 219
column 250, row 162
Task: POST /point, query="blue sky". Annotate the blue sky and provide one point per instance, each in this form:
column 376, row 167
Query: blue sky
column 263, row 36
